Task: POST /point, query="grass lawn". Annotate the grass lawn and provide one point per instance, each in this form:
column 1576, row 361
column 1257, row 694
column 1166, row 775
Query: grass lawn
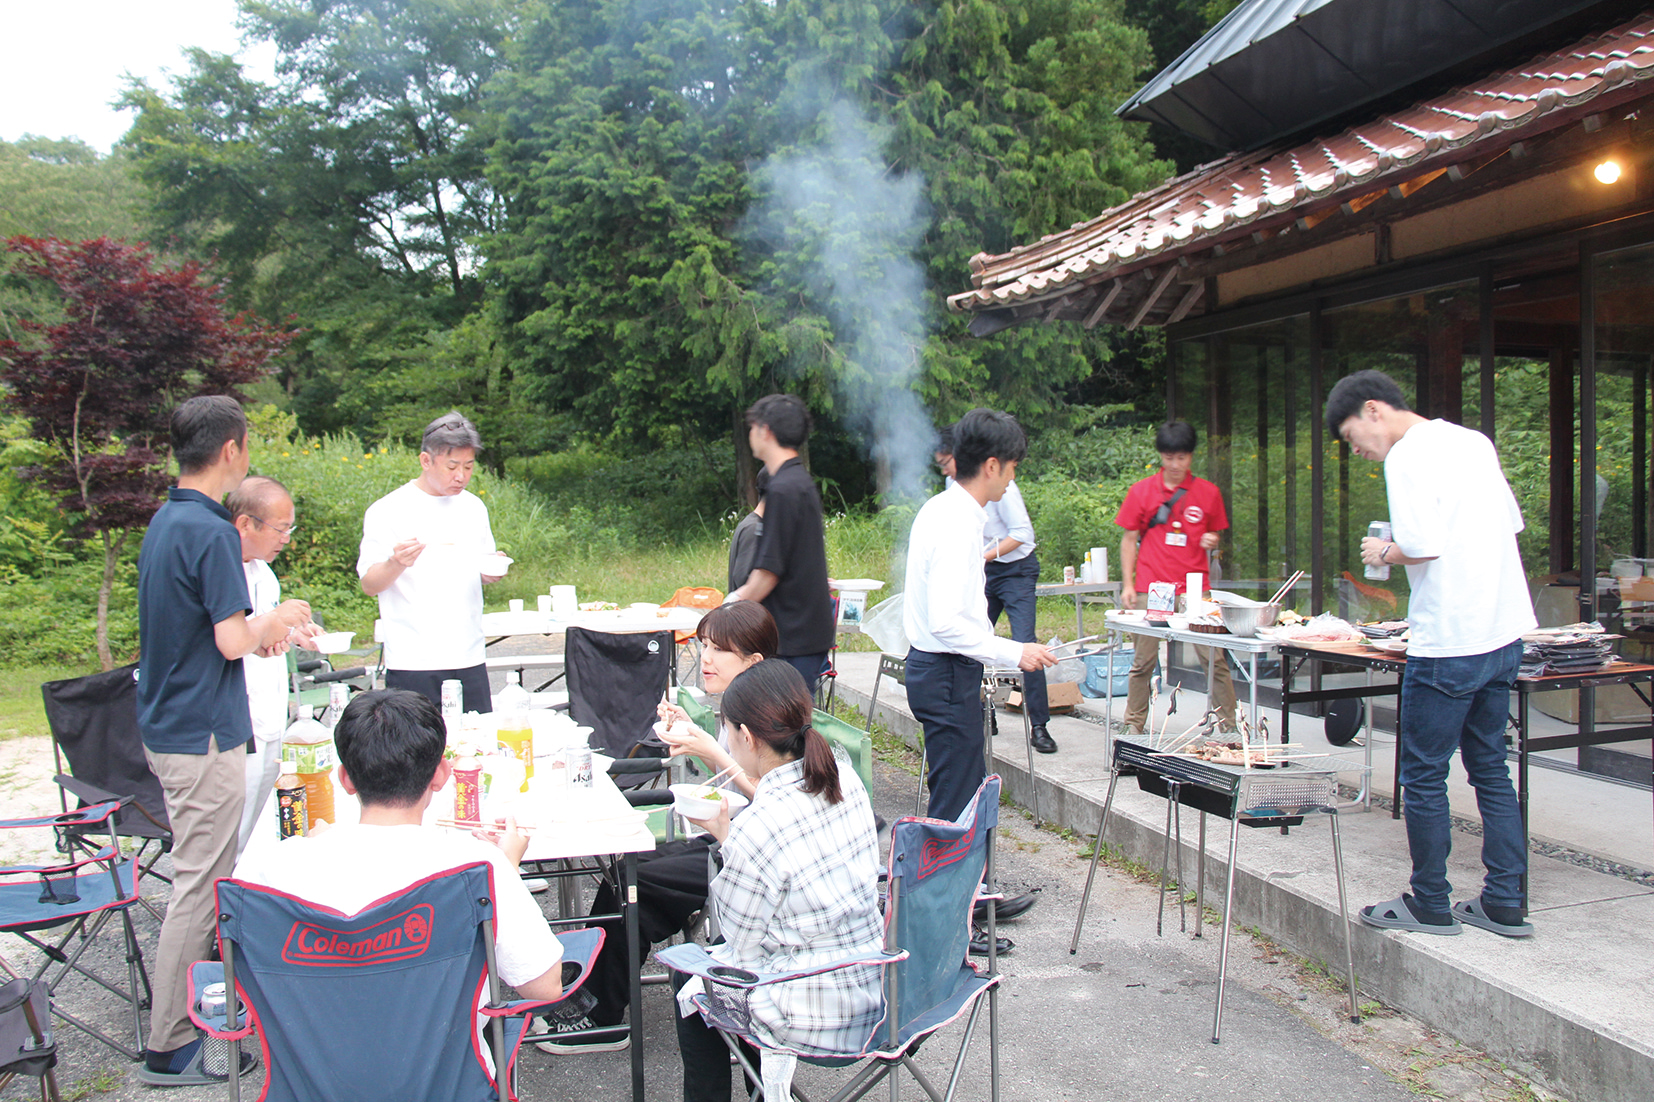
column 21, row 710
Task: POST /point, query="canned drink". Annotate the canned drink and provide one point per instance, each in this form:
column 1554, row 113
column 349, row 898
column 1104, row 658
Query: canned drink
column 291, row 813
column 1068, row 575
column 213, row 1000
column 579, row 765
column 1379, row 529
column 453, row 695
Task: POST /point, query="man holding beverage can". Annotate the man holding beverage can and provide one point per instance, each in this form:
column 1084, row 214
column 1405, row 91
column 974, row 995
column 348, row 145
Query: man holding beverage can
column 1454, row 523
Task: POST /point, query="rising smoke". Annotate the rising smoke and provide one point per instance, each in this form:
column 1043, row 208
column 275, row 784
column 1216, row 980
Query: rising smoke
column 839, row 204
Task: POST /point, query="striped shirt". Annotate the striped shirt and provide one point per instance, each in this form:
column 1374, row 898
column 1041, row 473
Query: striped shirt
column 799, row 889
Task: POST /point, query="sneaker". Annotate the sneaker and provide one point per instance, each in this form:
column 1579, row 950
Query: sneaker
column 561, row 1036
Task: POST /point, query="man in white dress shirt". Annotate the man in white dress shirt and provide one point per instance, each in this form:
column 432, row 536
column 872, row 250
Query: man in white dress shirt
column 263, row 513
column 946, row 613
column 421, row 546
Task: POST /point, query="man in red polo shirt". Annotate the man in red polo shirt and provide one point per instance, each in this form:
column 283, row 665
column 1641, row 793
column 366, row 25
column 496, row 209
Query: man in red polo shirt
column 1172, row 520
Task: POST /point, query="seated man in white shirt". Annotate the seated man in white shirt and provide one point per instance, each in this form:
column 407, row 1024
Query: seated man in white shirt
column 390, row 746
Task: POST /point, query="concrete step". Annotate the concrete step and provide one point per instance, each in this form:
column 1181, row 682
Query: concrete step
column 1568, row 1007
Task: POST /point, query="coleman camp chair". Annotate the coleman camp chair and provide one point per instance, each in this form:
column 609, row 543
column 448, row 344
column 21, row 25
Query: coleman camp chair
column 379, row 1004
column 80, row 897
column 935, row 871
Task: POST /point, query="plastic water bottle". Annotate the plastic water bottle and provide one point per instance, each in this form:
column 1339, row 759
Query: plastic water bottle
column 515, row 735
column 309, row 747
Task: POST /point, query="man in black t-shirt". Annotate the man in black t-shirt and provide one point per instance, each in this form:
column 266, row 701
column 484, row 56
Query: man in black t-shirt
column 789, row 569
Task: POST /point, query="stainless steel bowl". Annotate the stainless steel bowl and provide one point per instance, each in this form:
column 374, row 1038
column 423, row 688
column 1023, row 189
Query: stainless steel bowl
column 1245, row 620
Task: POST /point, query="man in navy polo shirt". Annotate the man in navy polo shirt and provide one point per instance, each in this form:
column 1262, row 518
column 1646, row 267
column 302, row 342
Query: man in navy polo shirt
column 193, row 631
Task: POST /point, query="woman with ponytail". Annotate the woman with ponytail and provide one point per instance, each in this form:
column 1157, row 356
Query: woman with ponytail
column 798, row 886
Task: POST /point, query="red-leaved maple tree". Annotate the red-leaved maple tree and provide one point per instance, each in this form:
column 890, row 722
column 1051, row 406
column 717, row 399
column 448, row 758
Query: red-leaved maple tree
column 137, row 338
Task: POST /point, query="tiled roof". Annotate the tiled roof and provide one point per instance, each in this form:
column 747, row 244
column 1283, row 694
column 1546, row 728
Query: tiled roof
column 1242, row 193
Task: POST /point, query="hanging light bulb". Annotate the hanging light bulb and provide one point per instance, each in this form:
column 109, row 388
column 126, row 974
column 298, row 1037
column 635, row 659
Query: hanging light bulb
column 1608, row 172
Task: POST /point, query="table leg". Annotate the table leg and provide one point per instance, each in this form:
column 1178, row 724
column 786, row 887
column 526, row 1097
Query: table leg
column 1172, row 789
column 1182, row 892
column 1522, row 778
column 634, row 968
column 1288, row 668
column 1096, row 855
column 1079, row 619
column 1367, row 778
column 1395, row 789
column 1200, row 881
column 1223, row 945
column 1344, row 912
column 1252, row 675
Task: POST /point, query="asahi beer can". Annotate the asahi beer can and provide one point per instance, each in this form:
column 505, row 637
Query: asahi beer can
column 453, row 696
column 213, row 1000
column 1068, row 575
column 290, row 806
column 579, row 760
column 1380, row 530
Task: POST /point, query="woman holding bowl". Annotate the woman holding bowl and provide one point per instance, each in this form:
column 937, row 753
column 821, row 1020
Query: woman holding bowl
column 798, row 887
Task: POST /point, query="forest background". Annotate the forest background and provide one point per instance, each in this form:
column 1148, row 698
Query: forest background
column 602, row 229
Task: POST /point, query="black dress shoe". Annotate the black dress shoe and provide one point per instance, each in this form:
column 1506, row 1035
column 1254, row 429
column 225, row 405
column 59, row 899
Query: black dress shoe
column 979, row 943
column 1042, row 740
column 1007, row 909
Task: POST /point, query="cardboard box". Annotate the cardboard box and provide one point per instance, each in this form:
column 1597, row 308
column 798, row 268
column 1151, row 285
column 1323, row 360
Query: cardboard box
column 1061, row 695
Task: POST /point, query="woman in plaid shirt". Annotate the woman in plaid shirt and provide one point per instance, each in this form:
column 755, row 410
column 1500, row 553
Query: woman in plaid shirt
column 799, row 882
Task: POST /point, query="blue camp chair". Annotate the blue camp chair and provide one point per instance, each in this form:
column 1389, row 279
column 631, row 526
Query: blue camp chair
column 381, row 1004
column 935, row 870
column 81, row 895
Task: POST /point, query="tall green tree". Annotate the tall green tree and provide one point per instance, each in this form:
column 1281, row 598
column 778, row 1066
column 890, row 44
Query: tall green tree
column 691, row 219
column 348, row 194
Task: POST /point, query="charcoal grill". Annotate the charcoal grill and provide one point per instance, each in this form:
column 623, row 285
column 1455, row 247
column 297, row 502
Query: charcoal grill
column 1276, row 796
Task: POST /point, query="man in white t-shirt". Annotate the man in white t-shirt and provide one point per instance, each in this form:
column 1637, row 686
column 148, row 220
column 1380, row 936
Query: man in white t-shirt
column 390, row 745
column 1454, row 522
column 263, row 513
column 421, row 550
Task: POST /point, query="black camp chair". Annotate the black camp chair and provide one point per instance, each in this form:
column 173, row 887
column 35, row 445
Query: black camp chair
column 26, row 1045
column 94, row 722
column 615, row 683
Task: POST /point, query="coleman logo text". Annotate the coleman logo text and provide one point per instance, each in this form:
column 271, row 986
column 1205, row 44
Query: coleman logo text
column 399, row 938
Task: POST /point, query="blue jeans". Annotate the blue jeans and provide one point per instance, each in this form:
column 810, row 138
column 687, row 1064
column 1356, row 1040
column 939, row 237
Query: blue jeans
column 1011, row 588
column 1460, row 704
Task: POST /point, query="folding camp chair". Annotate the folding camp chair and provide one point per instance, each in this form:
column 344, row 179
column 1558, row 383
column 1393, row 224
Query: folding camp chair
column 615, row 683
column 935, row 870
column 26, row 1046
column 379, row 1004
column 83, row 895
column 94, row 724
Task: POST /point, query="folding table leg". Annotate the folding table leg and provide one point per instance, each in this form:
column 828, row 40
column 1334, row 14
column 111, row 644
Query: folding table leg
column 1228, row 920
column 1096, row 855
column 1200, row 881
column 634, row 963
column 1172, row 789
column 1343, row 912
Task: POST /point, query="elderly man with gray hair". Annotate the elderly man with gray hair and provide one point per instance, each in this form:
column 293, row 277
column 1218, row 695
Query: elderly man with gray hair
column 422, row 546
column 262, row 510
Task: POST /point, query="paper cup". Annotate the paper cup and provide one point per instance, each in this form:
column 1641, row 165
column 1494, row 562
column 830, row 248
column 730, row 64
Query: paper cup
column 563, row 600
column 544, row 603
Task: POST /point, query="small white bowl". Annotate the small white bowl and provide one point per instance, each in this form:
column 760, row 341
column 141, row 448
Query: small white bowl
column 1178, row 623
column 688, row 802
column 495, row 565
column 332, row 642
